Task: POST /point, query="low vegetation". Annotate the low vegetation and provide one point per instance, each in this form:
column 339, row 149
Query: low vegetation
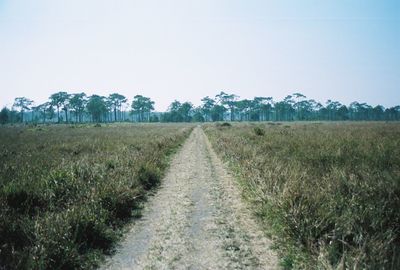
column 329, row 193
column 66, row 191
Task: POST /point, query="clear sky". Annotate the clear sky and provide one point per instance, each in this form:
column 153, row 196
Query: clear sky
column 344, row 50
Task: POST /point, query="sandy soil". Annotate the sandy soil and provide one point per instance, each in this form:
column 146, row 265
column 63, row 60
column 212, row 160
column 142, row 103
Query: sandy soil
column 196, row 220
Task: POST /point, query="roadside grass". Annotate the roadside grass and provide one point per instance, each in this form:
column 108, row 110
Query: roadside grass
column 329, row 194
column 67, row 191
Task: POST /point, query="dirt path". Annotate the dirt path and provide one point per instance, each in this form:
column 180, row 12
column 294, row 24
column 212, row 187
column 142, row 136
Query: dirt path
column 195, row 221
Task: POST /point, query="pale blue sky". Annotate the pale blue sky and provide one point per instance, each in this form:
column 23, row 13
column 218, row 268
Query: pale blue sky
column 344, row 50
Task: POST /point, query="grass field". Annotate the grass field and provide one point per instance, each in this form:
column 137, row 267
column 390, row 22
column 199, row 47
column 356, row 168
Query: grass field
column 66, row 191
column 329, row 193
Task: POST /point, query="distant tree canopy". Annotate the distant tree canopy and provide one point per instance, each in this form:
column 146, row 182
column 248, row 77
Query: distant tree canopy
column 4, row 116
column 59, row 100
column 142, row 107
column 23, row 104
column 178, row 112
column 96, row 107
column 78, row 107
column 116, row 101
column 78, row 103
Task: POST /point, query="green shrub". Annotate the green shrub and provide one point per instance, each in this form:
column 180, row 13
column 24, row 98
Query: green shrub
column 148, row 176
column 223, row 125
column 259, row 131
column 24, row 198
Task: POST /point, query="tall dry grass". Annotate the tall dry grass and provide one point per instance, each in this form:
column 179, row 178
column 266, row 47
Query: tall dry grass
column 66, row 191
column 328, row 193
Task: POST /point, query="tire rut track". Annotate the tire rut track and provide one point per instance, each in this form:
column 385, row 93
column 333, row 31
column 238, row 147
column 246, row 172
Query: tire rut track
column 196, row 220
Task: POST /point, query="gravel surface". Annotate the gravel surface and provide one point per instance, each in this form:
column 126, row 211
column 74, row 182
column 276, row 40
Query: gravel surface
column 196, row 220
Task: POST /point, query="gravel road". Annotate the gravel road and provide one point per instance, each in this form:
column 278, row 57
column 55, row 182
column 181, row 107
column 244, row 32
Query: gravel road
column 195, row 220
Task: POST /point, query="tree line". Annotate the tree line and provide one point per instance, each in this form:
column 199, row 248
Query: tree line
column 63, row 107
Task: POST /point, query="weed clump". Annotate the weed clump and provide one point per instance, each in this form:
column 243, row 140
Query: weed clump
column 259, row 131
column 148, row 176
column 225, row 124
